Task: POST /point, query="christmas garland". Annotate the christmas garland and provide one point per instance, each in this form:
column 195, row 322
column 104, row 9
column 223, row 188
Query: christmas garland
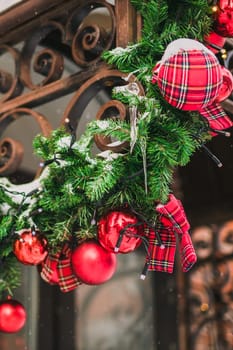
column 111, row 202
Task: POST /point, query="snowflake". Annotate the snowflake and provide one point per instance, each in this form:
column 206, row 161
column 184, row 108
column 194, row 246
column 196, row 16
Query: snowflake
column 69, row 188
column 102, row 124
column 108, row 167
column 64, row 142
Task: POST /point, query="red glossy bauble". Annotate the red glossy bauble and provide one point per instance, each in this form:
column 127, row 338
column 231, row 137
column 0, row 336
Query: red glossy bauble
column 30, row 248
column 117, row 223
column 223, row 24
column 12, row 316
column 214, row 42
column 93, row 264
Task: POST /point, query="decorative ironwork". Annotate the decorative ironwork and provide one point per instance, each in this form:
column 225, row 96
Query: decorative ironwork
column 104, row 79
column 41, row 64
column 66, row 36
column 47, row 62
column 11, row 151
column 60, row 58
column 10, row 85
column 210, row 306
column 89, row 40
column 11, row 154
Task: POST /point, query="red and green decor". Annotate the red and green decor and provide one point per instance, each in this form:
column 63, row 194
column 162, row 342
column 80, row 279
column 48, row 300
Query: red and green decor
column 85, row 209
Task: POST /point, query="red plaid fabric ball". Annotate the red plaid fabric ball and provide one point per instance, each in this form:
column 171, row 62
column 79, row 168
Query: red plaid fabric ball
column 190, row 78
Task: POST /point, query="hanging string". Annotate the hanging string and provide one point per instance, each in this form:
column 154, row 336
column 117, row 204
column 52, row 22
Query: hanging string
column 50, row 161
column 221, row 132
column 93, row 220
column 133, row 127
column 146, row 247
column 35, row 212
column 72, row 132
column 208, row 152
column 55, row 158
column 125, row 231
column 212, row 156
column 206, row 128
column 151, row 226
column 143, row 146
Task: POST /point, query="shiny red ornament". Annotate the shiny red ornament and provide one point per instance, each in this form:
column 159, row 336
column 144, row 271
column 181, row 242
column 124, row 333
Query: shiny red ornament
column 223, row 24
column 12, row 316
column 30, row 248
column 120, row 232
column 93, row 264
column 214, row 42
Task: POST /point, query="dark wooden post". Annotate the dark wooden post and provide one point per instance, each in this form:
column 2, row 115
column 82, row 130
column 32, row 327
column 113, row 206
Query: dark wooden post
column 128, row 26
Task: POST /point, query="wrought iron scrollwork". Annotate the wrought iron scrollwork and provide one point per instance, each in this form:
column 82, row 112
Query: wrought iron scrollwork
column 11, row 151
column 105, row 79
column 211, row 288
column 48, row 62
column 11, row 154
column 89, row 40
column 114, row 109
column 10, row 84
column 74, row 39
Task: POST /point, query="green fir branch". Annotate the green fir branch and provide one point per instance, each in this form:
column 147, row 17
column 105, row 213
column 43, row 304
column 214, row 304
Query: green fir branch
column 104, row 179
column 77, row 186
column 10, row 275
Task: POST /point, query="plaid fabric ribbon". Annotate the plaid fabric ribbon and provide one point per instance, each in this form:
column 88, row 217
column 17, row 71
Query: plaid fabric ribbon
column 187, row 252
column 191, row 79
column 60, row 265
column 172, row 215
column 161, row 257
column 216, row 117
column 49, row 269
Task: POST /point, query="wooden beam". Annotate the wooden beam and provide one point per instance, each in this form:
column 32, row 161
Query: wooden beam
column 18, row 22
column 128, row 23
column 51, row 91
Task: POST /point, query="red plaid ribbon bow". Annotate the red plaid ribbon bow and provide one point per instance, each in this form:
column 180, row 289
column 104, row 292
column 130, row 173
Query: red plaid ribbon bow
column 172, row 221
column 57, row 269
column 161, row 256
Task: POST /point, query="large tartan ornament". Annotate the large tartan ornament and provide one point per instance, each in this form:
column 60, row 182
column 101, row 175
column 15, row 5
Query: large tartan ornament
column 191, row 78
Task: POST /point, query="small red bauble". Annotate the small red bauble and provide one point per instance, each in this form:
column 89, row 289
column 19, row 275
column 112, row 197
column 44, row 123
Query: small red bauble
column 214, row 42
column 12, row 316
column 120, row 232
column 93, row 264
column 223, row 24
column 30, row 248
